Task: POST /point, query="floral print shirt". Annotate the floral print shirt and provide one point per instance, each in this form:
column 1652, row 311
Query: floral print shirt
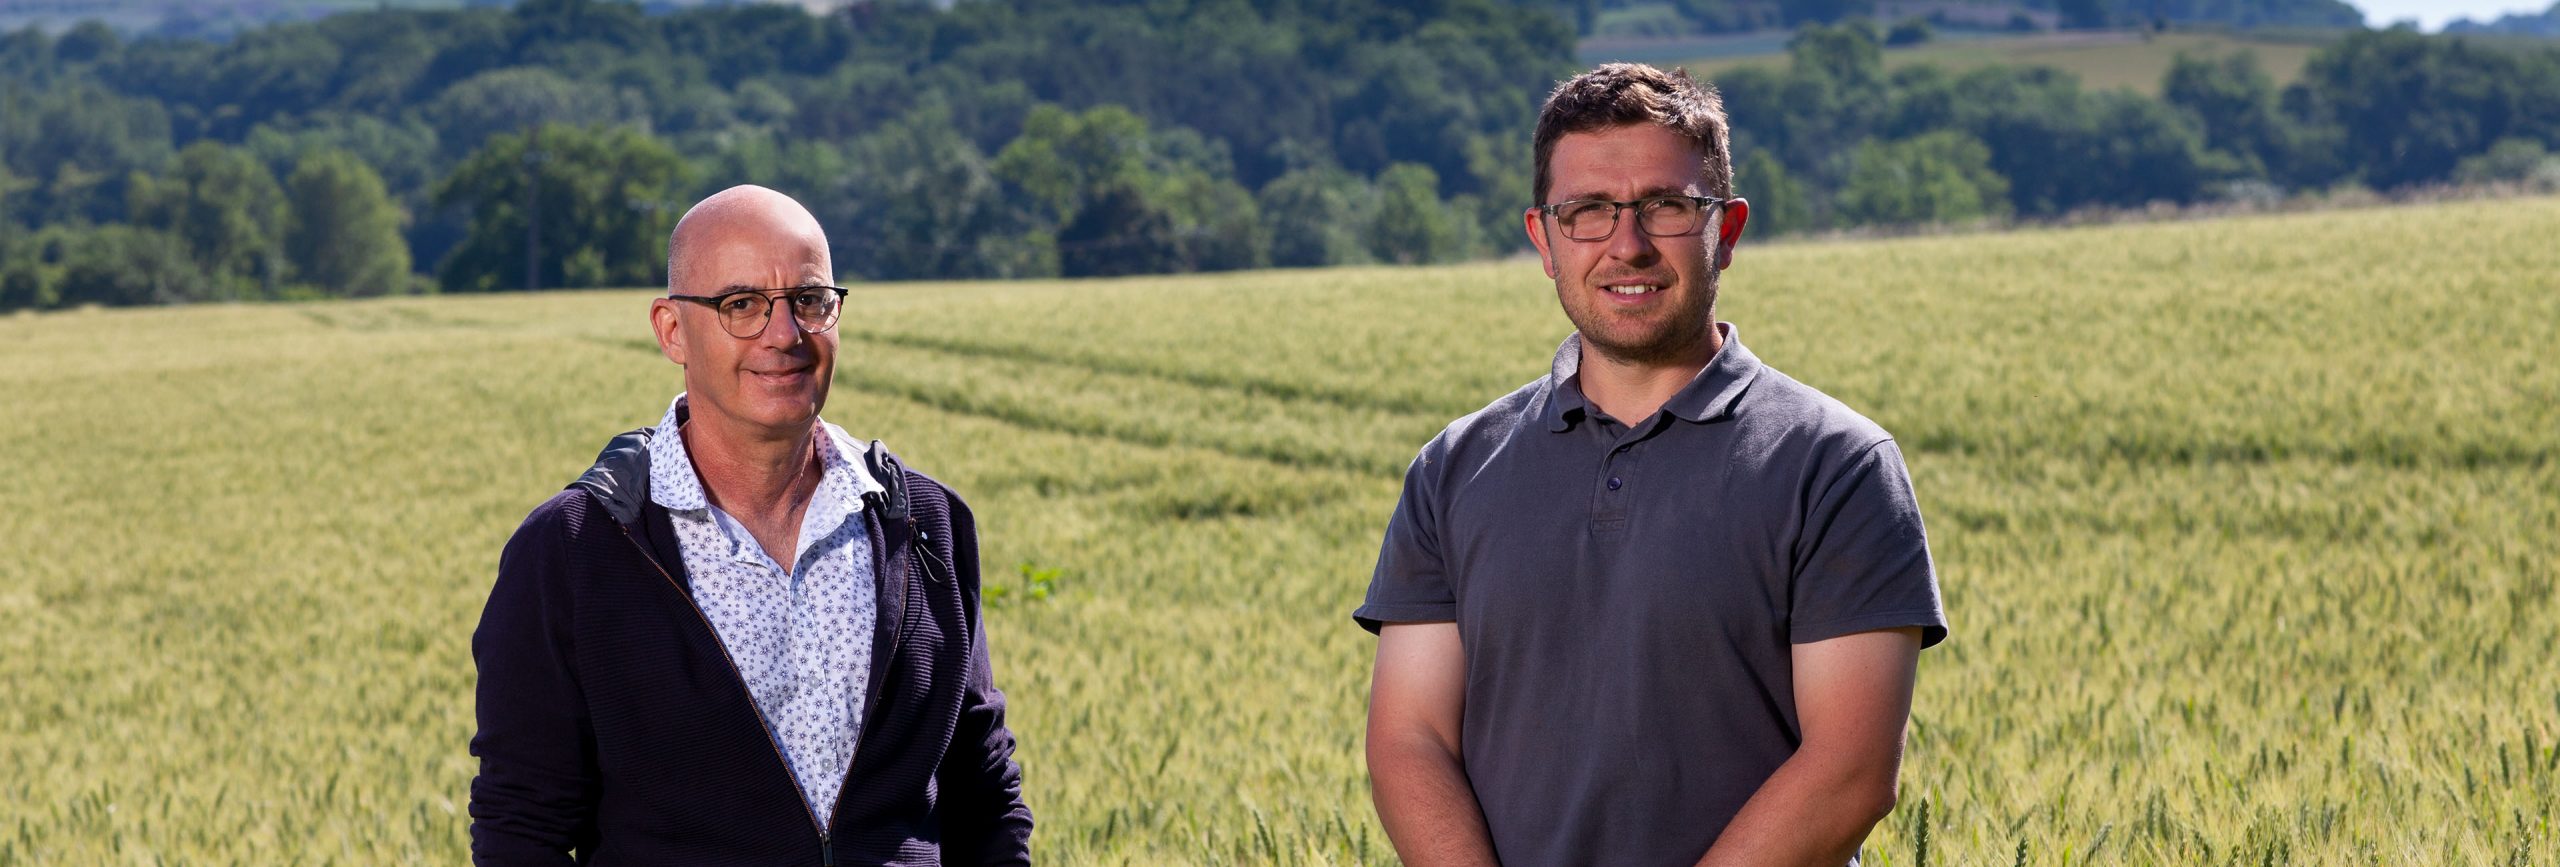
column 801, row 637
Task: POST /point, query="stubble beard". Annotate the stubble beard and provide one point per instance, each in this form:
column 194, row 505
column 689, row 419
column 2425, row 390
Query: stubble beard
column 1672, row 342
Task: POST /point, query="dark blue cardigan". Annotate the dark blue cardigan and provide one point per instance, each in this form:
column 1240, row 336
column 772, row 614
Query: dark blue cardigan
column 615, row 730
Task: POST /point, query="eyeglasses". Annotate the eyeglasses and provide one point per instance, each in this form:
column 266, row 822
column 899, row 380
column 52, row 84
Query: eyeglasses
column 744, row 313
column 1659, row 216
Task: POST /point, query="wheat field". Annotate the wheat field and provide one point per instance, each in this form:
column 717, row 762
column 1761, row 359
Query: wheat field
column 2248, row 532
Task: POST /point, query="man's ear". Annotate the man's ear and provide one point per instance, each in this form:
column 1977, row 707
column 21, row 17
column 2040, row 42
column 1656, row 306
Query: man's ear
column 662, row 321
column 1536, row 228
column 1737, row 211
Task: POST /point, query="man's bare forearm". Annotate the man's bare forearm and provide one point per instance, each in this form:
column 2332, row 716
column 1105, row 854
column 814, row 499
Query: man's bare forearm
column 1425, row 802
column 1813, row 812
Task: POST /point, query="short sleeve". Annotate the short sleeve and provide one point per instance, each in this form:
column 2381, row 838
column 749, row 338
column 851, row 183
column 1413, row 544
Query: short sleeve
column 1411, row 584
column 1863, row 559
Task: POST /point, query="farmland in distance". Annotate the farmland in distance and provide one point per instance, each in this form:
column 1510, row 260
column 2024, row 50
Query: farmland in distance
column 2248, row 531
column 2124, row 59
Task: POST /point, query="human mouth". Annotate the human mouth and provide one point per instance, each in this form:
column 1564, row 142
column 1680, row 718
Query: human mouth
column 1632, row 288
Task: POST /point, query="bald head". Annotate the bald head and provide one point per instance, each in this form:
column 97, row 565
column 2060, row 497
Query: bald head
column 742, row 226
column 769, row 384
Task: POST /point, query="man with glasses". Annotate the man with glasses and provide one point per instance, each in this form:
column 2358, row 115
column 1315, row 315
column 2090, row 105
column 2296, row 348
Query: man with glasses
column 1665, row 605
column 743, row 637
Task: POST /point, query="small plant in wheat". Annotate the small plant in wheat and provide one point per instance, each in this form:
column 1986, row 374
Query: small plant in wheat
column 1037, row 584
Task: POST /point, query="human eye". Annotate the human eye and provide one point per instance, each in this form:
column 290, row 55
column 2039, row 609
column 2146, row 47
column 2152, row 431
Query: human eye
column 812, row 300
column 740, row 302
column 1577, row 211
column 1670, row 206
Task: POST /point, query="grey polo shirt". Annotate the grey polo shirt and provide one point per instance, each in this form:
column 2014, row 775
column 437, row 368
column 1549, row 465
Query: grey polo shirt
column 1628, row 594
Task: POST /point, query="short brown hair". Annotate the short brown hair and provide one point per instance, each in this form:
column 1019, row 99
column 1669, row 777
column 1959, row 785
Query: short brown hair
column 1622, row 94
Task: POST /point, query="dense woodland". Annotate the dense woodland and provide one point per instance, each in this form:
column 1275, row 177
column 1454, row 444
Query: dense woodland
column 553, row 143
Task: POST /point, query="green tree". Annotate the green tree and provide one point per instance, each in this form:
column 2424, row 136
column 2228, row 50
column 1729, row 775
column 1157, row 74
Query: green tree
column 2234, row 100
column 1119, row 232
column 90, row 41
column 1941, row 177
column 116, row 265
column 1780, row 204
column 74, row 144
column 2510, row 160
column 1832, row 94
column 343, row 234
column 227, row 208
column 1825, row 11
column 1317, row 216
column 1217, row 221
column 1063, row 158
column 563, row 207
column 919, row 201
column 2406, row 108
column 2061, row 147
column 1066, row 164
column 2082, row 13
column 19, row 284
column 1414, row 226
column 514, row 100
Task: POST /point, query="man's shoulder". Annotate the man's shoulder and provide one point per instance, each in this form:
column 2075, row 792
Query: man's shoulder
column 1492, row 424
column 1784, row 412
column 1504, row 414
column 615, row 484
column 573, row 511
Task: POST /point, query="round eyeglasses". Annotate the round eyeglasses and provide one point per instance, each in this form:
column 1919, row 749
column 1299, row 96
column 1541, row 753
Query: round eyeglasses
column 1659, row 216
column 744, row 313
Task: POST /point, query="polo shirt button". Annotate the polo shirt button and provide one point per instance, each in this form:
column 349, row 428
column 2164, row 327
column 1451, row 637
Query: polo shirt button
column 1615, row 484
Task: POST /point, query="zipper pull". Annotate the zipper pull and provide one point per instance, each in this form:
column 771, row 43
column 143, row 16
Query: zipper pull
column 827, row 852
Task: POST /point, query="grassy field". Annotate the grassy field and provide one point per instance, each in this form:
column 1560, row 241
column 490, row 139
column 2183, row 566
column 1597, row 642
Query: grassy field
column 2129, row 61
column 2249, row 532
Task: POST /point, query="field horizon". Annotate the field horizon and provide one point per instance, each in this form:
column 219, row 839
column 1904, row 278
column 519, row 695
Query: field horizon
column 2248, row 529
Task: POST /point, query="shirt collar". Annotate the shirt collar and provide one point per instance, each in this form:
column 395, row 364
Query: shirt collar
column 1708, row 396
column 674, row 486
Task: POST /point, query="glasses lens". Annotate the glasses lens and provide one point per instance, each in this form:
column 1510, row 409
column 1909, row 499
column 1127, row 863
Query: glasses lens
column 816, row 308
column 743, row 314
column 1668, row 215
column 1587, row 221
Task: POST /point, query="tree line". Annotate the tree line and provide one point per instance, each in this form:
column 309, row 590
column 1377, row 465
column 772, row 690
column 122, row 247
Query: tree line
column 553, row 144
column 1833, row 140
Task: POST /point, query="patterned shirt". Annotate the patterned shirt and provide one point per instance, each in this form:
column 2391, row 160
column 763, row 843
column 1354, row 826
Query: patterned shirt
column 800, row 637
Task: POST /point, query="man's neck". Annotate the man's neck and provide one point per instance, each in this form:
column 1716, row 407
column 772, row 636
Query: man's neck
column 1632, row 391
column 753, row 475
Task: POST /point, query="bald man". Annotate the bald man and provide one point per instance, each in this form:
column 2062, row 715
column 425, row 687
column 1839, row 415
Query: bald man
column 743, row 637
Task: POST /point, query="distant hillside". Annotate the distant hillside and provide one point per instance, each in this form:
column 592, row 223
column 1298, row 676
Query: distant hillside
column 1658, row 19
column 2545, row 24
column 2125, row 60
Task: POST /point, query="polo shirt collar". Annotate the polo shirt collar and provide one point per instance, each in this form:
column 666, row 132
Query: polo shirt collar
column 1708, row 396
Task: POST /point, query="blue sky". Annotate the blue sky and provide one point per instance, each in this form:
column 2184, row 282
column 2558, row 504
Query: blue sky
column 2432, row 14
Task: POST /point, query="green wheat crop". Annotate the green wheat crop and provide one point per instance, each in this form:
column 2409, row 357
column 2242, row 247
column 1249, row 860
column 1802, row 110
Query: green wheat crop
column 2248, row 531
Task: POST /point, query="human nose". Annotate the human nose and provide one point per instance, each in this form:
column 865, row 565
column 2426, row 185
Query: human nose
column 781, row 328
column 1627, row 239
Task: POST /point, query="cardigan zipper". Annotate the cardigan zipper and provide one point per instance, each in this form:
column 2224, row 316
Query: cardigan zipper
column 826, row 844
column 897, row 634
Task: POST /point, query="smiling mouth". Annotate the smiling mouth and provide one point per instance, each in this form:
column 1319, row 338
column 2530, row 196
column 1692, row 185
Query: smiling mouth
column 1632, row 288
